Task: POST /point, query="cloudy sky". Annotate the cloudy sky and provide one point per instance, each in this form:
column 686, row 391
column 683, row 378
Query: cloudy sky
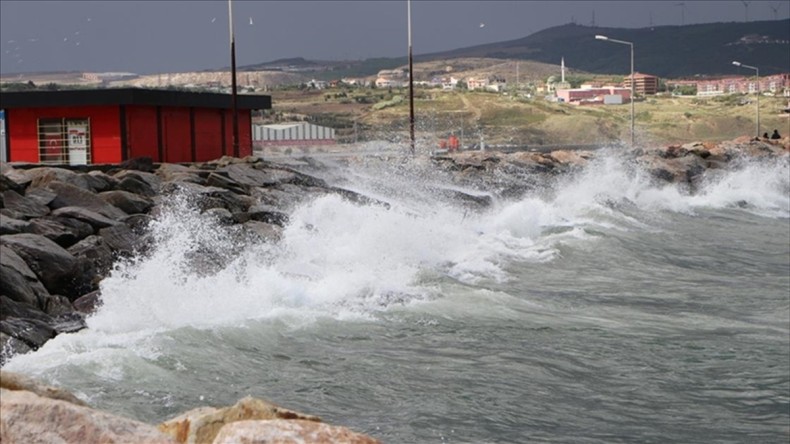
column 167, row 36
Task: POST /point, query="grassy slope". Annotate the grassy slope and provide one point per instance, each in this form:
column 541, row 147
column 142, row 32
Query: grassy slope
column 503, row 119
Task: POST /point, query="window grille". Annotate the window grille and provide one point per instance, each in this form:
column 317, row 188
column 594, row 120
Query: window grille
column 64, row 141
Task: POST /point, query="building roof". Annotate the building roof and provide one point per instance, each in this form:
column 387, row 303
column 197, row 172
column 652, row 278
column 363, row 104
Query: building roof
column 130, row 96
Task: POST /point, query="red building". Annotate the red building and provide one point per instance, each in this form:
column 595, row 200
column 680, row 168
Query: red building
column 111, row 125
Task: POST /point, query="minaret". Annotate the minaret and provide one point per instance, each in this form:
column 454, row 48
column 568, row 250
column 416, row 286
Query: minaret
column 562, row 65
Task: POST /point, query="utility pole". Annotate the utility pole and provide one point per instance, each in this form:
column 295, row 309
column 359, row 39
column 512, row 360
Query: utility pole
column 411, row 81
column 233, row 81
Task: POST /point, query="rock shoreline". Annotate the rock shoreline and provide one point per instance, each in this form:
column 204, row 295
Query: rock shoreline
column 33, row 413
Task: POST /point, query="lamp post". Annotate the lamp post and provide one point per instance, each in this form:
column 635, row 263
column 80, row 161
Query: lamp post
column 757, row 71
column 603, row 37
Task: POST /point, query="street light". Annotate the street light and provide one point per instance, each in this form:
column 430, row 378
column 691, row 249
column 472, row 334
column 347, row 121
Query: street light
column 758, row 92
column 603, row 37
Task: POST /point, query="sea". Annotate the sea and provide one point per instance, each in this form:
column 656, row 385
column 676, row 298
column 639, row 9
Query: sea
column 600, row 306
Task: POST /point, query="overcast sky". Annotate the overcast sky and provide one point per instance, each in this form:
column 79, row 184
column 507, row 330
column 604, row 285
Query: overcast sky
column 169, row 36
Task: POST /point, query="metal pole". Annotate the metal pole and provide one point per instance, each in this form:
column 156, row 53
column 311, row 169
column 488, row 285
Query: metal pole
column 603, row 37
column 233, row 81
column 757, row 73
column 411, row 81
column 758, row 101
column 632, row 94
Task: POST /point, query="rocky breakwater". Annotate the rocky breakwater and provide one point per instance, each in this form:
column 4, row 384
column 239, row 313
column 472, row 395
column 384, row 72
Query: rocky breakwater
column 62, row 229
column 513, row 174
column 33, row 413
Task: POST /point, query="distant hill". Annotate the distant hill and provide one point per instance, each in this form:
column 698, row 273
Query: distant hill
column 665, row 51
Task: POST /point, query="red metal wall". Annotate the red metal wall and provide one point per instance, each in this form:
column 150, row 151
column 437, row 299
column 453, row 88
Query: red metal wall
column 141, row 132
column 105, row 139
column 176, row 135
column 208, row 134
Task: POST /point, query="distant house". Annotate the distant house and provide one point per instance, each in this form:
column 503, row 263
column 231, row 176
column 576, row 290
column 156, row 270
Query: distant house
column 88, row 126
column 644, row 84
column 473, row 83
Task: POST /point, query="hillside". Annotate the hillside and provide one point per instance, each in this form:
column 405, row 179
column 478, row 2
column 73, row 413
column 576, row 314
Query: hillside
column 665, row 51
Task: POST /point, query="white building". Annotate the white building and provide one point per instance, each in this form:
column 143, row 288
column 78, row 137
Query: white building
column 292, row 134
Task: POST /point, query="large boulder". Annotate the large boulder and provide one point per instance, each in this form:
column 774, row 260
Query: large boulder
column 130, row 203
column 27, row 208
column 282, row 431
column 202, row 424
column 92, row 218
column 44, row 176
column 100, row 181
column 71, row 196
column 33, row 332
column 64, row 231
column 94, row 258
column 10, row 225
column 16, row 381
column 51, row 263
column 17, row 280
column 139, row 182
column 26, row 417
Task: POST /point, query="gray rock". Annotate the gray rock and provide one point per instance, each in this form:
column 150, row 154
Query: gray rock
column 120, row 238
column 32, row 332
column 139, row 223
column 8, row 182
column 14, row 309
column 41, row 195
column 10, row 225
column 267, row 213
column 224, row 216
column 17, row 280
column 96, row 220
column 57, row 305
column 44, row 176
column 263, row 231
column 130, row 203
column 100, row 182
column 10, row 346
column 64, row 231
column 139, row 182
column 53, row 265
column 71, row 196
column 88, row 303
column 68, row 322
column 221, row 181
column 250, row 176
column 95, row 260
column 28, row 208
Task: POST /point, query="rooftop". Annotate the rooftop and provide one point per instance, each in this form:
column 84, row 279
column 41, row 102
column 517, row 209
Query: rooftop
column 130, row 96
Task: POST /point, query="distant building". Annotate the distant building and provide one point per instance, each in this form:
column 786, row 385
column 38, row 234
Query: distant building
column 594, row 95
column 473, row 83
column 644, row 84
column 88, row 126
column 292, row 134
column 777, row 84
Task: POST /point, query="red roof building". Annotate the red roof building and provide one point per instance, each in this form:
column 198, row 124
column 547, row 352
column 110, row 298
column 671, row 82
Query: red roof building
column 112, row 125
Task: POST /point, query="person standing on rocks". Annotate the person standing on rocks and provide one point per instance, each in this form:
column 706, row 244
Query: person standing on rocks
column 775, row 135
